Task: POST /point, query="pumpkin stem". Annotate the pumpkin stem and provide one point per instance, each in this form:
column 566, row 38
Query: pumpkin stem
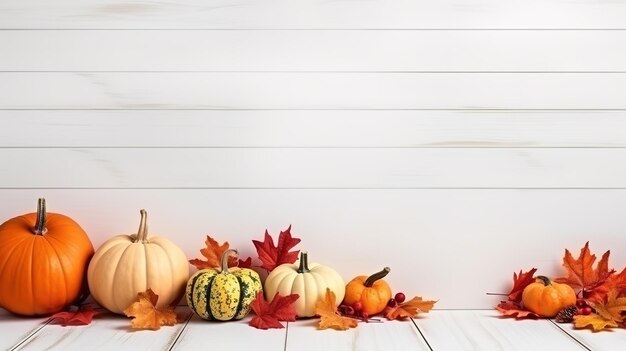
column 142, row 232
column 225, row 256
column 304, row 262
column 374, row 277
column 40, row 225
column 546, row 281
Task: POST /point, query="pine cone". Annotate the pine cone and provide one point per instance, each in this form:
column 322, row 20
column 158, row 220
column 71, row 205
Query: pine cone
column 567, row 314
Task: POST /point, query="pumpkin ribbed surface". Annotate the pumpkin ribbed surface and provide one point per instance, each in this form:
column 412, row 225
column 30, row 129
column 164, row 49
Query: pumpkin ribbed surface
column 223, row 295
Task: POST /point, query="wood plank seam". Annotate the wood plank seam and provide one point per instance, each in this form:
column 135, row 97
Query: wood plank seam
column 421, row 334
column 180, row 332
column 30, row 335
column 570, row 335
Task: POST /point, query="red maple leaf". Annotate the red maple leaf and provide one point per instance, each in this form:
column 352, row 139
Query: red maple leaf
column 247, row 263
column 269, row 315
column 512, row 309
column 615, row 281
column 273, row 256
column 82, row 315
column 581, row 273
column 520, row 282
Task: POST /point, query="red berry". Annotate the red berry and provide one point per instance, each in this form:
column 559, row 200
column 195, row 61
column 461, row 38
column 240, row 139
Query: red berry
column 365, row 315
column 581, row 303
column 400, row 297
column 392, row 303
column 358, row 306
column 586, row 311
column 349, row 311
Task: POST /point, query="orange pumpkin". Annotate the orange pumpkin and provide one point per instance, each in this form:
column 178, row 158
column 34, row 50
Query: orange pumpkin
column 547, row 298
column 373, row 292
column 43, row 261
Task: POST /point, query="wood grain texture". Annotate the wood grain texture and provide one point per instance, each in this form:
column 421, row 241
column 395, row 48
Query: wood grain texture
column 313, row 14
column 193, row 90
column 303, row 335
column 448, row 236
column 202, row 335
column 14, row 329
column 353, row 51
column 601, row 341
column 484, row 330
column 386, row 129
column 106, row 332
column 313, row 168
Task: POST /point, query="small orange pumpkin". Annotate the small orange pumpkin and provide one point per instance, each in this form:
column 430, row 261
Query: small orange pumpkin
column 43, row 261
column 373, row 292
column 547, row 298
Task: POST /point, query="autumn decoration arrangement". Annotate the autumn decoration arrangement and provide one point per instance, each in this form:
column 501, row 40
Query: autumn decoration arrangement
column 50, row 267
column 588, row 296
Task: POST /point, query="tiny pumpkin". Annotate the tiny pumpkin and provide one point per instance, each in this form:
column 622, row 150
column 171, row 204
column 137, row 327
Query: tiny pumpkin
column 126, row 265
column 223, row 294
column 373, row 292
column 308, row 280
column 547, row 298
column 43, row 259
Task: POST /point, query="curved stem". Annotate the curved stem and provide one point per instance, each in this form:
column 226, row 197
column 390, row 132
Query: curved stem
column 304, row 262
column 142, row 232
column 546, row 281
column 378, row 275
column 225, row 256
column 40, row 225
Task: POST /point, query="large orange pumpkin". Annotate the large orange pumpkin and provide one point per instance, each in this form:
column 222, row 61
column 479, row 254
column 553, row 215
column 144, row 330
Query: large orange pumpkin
column 43, row 260
column 547, row 298
column 129, row 264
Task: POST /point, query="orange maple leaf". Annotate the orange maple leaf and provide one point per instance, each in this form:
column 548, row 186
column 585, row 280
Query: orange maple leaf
column 329, row 317
column 596, row 322
column 514, row 309
column 409, row 309
column 615, row 281
column 613, row 307
column 581, row 273
column 213, row 254
column 146, row 315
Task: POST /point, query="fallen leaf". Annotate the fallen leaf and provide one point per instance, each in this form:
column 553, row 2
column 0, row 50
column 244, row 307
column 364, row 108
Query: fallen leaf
column 409, row 309
column 213, row 254
column 82, row 315
column 581, row 273
column 596, row 322
column 513, row 309
column 615, row 281
column 247, row 263
column 329, row 316
column 520, row 282
column 269, row 315
column 273, row 256
column 147, row 316
column 613, row 307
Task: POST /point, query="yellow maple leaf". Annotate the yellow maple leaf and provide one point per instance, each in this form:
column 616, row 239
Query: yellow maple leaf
column 146, row 315
column 409, row 309
column 596, row 322
column 213, row 252
column 613, row 307
column 329, row 317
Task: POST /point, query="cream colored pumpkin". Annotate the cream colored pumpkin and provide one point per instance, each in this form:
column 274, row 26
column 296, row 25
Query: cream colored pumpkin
column 128, row 264
column 309, row 280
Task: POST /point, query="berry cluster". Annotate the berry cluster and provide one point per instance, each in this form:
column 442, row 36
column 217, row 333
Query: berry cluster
column 356, row 309
column 567, row 314
column 394, row 301
column 583, row 308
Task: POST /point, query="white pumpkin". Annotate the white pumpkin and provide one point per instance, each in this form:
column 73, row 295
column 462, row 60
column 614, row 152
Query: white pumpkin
column 128, row 264
column 309, row 280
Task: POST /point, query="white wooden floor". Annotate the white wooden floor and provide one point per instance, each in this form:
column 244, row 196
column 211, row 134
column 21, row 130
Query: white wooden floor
column 439, row 330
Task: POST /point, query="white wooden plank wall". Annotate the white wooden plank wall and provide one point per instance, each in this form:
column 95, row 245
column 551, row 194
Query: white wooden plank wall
column 397, row 133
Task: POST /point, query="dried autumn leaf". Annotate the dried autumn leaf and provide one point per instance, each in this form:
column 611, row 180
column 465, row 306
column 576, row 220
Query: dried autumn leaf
column 82, row 315
column 269, row 315
column 596, row 322
column 513, row 309
column 520, row 282
column 329, row 317
column 409, row 309
column 247, row 263
column 613, row 307
column 273, row 256
column 213, row 254
column 147, row 316
column 581, row 273
column 615, row 281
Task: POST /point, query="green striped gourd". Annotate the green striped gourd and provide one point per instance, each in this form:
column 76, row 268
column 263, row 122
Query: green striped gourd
column 224, row 294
